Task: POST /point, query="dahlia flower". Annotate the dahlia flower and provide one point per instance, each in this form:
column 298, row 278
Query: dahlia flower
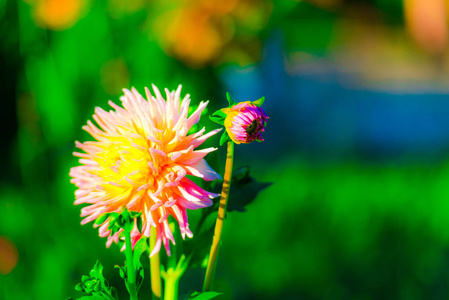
column 140, row 160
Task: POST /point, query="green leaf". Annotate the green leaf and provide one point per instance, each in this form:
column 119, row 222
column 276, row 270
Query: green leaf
column 203, row 295
column 96, row 285
column 140, row 276
column 241, row 174
column 231, row 101
column 114, row 293
column 224, row 138
column 218, row 117
column 122, row 271
column 217, row 120
column 244, row 189
column 140, row 248
column 259, row 102
column 79, row 287
column 97, row 271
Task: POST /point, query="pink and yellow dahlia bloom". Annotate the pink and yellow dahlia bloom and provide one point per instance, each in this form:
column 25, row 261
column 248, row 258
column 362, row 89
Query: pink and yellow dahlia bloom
column 139, row 159
column 245, row 122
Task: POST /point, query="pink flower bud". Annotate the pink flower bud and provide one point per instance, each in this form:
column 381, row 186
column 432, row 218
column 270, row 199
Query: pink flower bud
column 245, row 122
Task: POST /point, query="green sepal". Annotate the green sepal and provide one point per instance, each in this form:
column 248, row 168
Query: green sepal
column 139, row 224
column 218, row 117
column 231, row 101
column 259, row 102
column 114, row 230
column 125, row 213
column 102, row 218
column 135, row 214
column 112, row 220
column 225, row 138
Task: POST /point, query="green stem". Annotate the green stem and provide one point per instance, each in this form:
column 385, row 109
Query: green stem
column 130, row 268
column 171, row 287
column 212, row 263
column 155, row 268
column 171, row 278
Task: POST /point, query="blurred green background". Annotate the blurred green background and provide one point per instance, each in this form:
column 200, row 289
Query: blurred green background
column 356, row 145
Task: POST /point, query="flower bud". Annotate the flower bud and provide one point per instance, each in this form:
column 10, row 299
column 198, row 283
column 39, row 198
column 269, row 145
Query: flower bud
column 245, row 122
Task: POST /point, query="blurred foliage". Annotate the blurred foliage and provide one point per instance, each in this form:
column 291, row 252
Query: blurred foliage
column 343, row 229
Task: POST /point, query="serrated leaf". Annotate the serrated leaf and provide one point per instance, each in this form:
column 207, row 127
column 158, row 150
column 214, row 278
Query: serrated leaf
column 203, row 295
column 231, row 101
column 224, row 138
column 259, row 102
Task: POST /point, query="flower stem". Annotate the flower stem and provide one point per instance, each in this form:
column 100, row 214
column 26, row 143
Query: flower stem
column 155, row 268
column 171, row 278
column 212, row 263
column 171, row 288
column 130, row 268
